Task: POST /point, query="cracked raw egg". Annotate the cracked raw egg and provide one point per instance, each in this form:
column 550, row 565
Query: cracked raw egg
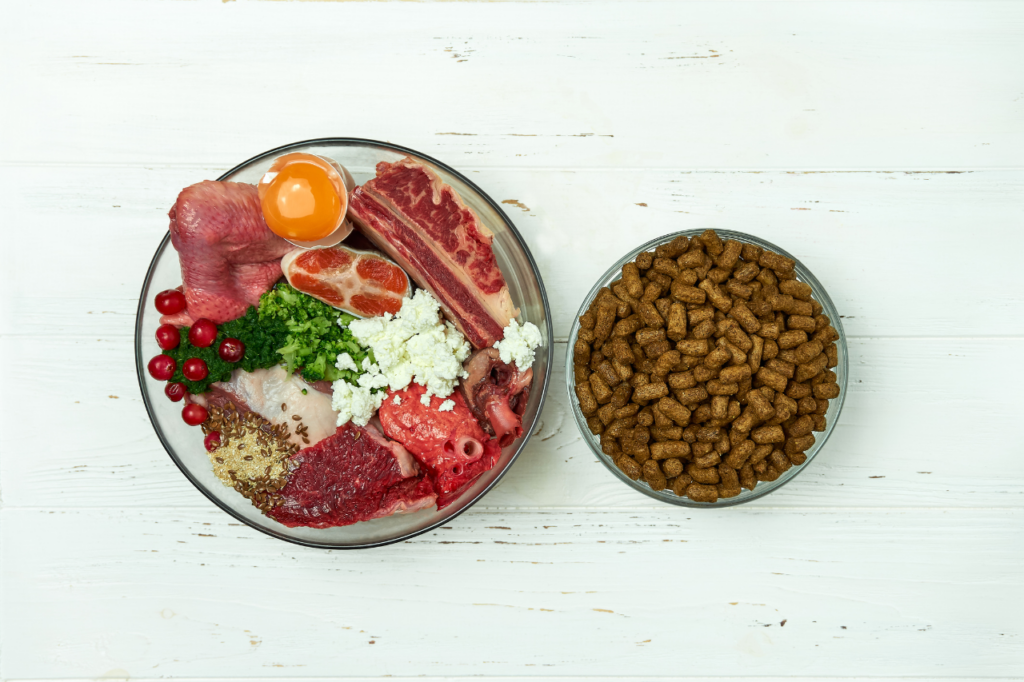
column 304, row 199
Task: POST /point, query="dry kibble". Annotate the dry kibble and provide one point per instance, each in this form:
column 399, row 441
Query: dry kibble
column 702, row 493
column 706, row 367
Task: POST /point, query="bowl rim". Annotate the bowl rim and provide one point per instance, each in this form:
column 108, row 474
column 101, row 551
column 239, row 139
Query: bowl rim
column 140, row 366
column 771, row 486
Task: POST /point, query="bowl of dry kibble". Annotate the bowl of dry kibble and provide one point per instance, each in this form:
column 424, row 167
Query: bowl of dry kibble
column 707, row 368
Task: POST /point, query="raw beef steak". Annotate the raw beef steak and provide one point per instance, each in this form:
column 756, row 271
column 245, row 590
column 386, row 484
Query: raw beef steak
column 422, row 223
column 355, row 475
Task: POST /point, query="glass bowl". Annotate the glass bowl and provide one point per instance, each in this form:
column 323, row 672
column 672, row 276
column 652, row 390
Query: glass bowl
column 763, row 487
column 185, row 443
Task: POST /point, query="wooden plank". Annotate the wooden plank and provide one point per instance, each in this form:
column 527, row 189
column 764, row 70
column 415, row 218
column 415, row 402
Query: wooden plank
column 900, row 253
column 807, row 593
column 600, row 84
column 918, row 414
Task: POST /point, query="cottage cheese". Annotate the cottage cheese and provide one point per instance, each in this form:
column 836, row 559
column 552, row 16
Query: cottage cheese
column 415, row 345
column 446, row 406
column 519, row 344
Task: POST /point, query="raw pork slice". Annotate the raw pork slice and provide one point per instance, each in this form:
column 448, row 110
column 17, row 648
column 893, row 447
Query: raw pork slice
column 276, row 396
column 228, row 255
column 421, row 222
column 497, row 394
column 450, row 445
column 355, row 475
column 360, row 282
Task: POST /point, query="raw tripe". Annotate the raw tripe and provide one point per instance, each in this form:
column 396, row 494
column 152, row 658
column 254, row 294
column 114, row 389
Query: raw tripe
column 706, row 368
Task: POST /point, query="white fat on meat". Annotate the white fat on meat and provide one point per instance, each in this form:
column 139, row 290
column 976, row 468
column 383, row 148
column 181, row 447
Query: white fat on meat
column 266, row 390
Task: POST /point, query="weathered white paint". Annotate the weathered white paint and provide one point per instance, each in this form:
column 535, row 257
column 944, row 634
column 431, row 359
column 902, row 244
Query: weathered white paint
column 880, row 142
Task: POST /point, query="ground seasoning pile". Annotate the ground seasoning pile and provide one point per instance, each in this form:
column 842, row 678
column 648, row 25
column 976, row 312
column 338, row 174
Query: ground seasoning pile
column 254, row 456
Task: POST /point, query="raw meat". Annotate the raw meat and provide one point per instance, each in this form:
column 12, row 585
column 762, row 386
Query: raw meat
column 264, row 391
column 354, row 475
column 360, row 282
column 228, row 255
column 450, row 445
column 421, row 222
column 497, row 393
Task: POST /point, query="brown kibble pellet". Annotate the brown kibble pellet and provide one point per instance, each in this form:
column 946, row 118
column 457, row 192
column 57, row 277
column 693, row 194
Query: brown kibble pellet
column 627, row 326
column 719, row 406
column 735, row 373
column 673, row 249
column 811, row 369
column 646, row 336
column 631, row 280
column 731, row 250
column 604, row 323
column 653, row 475
column 672, row 467
column 712, row 242
column 674, row 411
column 588, row 403
column 801, row 427
column 651, row 391
column 655, row 350
column 801, row 322
column 832, row 354
column 702, row 493
column 587, row 320
column 693, row 347
column 595, row 425
column 676, row 322
column 620, row 400
column 771, row 378
column 827, row 335
column 807, row 351
column 684, row 293
column 677, row 449
column 697, row 394
column 650, row 315
column 819, row 422
column 775, row 262
column 705, row 475
column 799, row 443
column 780, row 366
column 797, row 458
column 768, row 434
column 739, row 454
column 666, row 433
column 681, row 380
column 800, row 290
column 717, row 358
column 791, row 339
column 680, row 483
column 602, row 392
column 826, row 391
column 629, row 466
column 665, row 266
column 608, row 374
column 717, row 387
column 716, row 296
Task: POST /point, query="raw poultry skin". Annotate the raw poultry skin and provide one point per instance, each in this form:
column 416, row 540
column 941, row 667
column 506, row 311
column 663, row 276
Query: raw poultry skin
column 354, row 475
column 451, row 446
column 228, row 255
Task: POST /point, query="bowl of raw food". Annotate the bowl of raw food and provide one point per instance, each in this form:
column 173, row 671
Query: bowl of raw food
column 687, row 454
column 184, row 443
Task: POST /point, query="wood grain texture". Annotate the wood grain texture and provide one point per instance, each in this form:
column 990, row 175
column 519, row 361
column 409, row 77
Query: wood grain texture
column 881, row 142
column 865, row 85
column 746, row 593
column 902, row 439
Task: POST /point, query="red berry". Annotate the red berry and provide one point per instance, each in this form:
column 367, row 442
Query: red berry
column 167, row 336
column 195, row 369
column 203, row 333
column 212, row 441
column 193, row 414
column 170, row 302
column 162, row 367
column 175, row 390
column 231, row 350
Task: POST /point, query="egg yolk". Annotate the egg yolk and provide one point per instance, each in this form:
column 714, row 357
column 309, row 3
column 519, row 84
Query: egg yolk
column 301, row 202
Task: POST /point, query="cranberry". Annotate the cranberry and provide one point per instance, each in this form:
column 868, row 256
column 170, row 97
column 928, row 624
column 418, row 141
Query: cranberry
column 167, row 336
column 203, row 333
column 175, row 390
column 162, row 367
column 194, row 414
column 212, row 441
column 170, row 302
column 231, row 350
column 195, row 369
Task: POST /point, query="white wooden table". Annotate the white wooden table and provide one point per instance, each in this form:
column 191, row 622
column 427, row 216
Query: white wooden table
column 881, row 142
